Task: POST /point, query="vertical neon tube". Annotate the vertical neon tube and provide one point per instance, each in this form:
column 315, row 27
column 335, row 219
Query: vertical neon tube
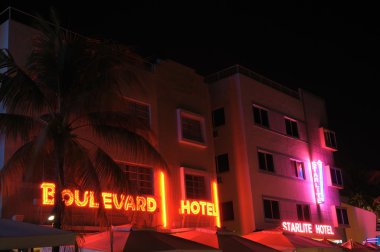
column 163, row 199
column 216, row 202
column 320, row 166
column 317, row 171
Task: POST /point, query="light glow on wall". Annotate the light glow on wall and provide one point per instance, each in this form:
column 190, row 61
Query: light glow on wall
column 216, row 202
column 317, row 173
column 307, row 228
column 163, row 199
column 88, row 199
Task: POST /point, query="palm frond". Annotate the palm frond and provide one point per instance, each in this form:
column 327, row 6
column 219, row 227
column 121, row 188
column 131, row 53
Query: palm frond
column 70, row 80
column 18, row 92
column 16, row 126
column 93, row 169
column 134, row 147
column 110, row 172
column 101, row 80
column 14, row 169
column 123, row 120
column 82, row 173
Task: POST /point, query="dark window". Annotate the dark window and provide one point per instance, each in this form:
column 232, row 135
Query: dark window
column 266, row 162
column 291, row 128
column 330, row 139
column 195, row 187
column 227, row 211
column 341, row 214
column 298, row 168
column 140, row 179
column 336, row 176
column 222, row 163
column 192, row 129
column 219, row 179
column 139, row 111
column 271, row 209
column 303, row 212
column 260, row 116
column 218, row 117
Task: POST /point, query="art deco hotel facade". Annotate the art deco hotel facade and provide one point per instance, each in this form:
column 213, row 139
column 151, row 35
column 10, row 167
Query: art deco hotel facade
column 243, row 153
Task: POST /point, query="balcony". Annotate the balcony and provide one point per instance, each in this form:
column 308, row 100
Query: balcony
column 328, row 139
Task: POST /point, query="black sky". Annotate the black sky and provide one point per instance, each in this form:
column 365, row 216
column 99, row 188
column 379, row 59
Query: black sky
column 330, row 49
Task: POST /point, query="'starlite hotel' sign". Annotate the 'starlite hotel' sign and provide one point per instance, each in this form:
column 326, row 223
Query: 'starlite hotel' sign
column 316, row 170
column 307, row 228
column 109, row 200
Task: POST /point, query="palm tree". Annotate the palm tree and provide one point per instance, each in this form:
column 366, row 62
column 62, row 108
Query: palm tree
column 60, row 108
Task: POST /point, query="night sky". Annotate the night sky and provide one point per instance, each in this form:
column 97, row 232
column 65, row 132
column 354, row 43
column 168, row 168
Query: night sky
column 329, row 49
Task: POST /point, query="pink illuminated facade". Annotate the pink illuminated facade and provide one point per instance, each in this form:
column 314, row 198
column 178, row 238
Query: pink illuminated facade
column 272, row 168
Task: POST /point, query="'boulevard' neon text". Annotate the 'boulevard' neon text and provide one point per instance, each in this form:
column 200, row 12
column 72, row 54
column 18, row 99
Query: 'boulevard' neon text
column 88, row 199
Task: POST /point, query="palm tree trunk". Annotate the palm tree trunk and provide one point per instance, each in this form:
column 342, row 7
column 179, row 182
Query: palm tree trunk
column 59, row 204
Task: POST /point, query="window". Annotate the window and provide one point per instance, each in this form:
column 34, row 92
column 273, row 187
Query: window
column 195, row 186
column 336, row 177
column 271, row 209
column 330, row 140
column 341, row 214
column 291, row 128
column 260, row 116
column 266, row 161
column 140, row 111
column 298, row 168
column 219, row 179
column 303, row 212
column 227, row 211
column 191, row 128
column 218, row 117
column 140, row 179
column 222, row 163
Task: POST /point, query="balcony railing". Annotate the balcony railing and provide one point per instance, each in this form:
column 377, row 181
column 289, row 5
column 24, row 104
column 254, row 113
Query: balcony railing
column 251, row 74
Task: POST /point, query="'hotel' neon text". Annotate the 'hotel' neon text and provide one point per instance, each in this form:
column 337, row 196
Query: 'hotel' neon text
column 109, row 200
column 198, row 207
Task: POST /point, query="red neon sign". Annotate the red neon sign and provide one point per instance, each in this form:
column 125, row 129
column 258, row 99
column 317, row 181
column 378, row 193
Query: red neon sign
column 216, row 202
column 109, row 200
column 198, row 207
column 316, row 169
column 307, row 228
column 163, row 199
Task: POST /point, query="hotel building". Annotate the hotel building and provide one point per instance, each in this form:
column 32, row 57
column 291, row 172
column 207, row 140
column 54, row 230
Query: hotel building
column 274, row 157
column 265, row 149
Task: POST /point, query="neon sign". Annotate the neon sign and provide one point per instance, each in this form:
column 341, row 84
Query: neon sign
column 109, row 200
column 317, row 172
column 307, row 228
column 198, row 207
column 163, row 199
column 216, row 202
